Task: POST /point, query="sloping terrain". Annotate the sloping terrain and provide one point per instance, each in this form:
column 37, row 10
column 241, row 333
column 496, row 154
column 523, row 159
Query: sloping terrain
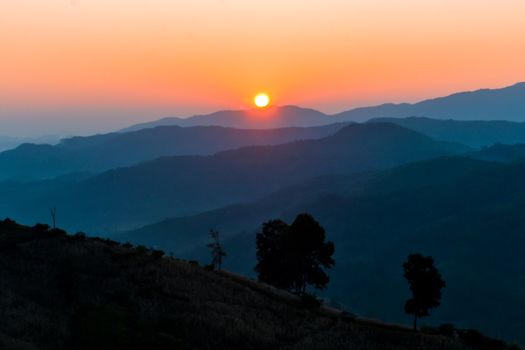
column 466, row 213
column 69, row 292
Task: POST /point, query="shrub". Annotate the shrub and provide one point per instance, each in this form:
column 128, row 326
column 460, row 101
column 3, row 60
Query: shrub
column 8, row 221
column 447, row 329
column 310, row 301
column 80, row 236
column 474, row 338
column 40, row 228
column 157, row 254
column 56, row 232
column 141, row 249
column 429, row 330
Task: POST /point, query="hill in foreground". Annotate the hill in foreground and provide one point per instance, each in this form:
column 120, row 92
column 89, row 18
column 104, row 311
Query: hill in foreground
column 73, row 292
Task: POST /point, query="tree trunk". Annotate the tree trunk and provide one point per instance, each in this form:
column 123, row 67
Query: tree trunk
column 415, row 322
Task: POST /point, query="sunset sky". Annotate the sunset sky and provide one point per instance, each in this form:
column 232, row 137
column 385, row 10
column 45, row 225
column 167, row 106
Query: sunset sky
column 83, row 66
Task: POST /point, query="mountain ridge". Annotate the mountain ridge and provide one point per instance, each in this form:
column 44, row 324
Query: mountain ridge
column 480, row 104
column 152, row 190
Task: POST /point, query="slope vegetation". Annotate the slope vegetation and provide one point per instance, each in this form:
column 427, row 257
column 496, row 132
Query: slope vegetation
column 69, row 292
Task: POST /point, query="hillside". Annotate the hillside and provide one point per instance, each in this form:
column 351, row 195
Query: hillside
column 172, row 186
column 500, row 153
column 103, row 152
column 464, row 212
column 474, row 133
column 72, row 292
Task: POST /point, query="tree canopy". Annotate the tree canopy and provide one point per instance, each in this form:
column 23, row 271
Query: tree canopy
column 294, row 256
column 425, row 283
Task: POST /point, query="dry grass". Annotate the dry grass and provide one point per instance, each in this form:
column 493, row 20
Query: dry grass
column 62, row 292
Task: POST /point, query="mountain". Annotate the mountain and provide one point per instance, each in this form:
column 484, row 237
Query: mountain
column 103, row 152
column 500, row 153
column 466, row 213
column 272, row 117
column 8, row 142
column 171, row 186
column 71, row 292
column 486, row 104
column 472, row 133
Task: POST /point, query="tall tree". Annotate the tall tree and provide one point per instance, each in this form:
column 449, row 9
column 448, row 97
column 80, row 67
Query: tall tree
column 217, row 251
column 271, row 256
column 294, row 256
column 425, row 283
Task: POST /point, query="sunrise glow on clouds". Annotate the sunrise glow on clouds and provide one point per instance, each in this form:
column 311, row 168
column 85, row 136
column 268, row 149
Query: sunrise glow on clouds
column 145, row 58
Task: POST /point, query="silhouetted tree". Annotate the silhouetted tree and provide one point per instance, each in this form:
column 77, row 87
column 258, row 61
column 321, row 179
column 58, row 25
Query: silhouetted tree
column 217, row 251
column 294, row 256
column 425, row 284
column 271, row 267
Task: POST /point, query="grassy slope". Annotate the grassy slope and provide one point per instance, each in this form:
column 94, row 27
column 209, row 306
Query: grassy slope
column 66, row 292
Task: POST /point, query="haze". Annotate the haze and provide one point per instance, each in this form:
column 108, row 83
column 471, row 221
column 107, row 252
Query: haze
column 78, row 66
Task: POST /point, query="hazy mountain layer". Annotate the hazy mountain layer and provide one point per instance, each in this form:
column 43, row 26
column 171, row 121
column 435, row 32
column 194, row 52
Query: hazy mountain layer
column 103, row 152
column 172, row 186
column 471, row 133
column 487, row 104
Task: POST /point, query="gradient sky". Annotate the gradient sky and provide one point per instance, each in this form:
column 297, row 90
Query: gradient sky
column 83, row 66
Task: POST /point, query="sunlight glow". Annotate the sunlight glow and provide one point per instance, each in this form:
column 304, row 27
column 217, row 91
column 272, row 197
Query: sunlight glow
column 261, row 100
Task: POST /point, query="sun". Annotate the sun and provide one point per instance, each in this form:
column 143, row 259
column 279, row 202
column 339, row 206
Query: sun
column 261, row 100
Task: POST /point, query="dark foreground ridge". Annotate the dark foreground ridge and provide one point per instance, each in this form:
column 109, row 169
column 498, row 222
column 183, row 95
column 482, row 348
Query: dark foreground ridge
column 62, row 291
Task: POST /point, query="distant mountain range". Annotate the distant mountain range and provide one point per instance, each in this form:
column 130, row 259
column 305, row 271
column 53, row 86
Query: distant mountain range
column 487, row 104
column 207, row 134
column 466, row 213
column 8, row 142
column 172, row 186
column 470, row 133
column 103, row 152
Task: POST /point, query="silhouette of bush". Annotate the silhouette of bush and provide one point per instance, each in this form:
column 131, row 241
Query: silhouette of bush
column 40, row 228
column 127, row 245
column 56, row 232
column 79, row 236
column 209, row 267
column 447, row 330
column 141, row 249
column 474, row 338
column 8, row 221
column 310, row 301
column 157, row 254
column 429, row 330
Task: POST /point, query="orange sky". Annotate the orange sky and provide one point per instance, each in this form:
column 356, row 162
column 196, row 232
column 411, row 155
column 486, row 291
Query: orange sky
column 113, row 62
